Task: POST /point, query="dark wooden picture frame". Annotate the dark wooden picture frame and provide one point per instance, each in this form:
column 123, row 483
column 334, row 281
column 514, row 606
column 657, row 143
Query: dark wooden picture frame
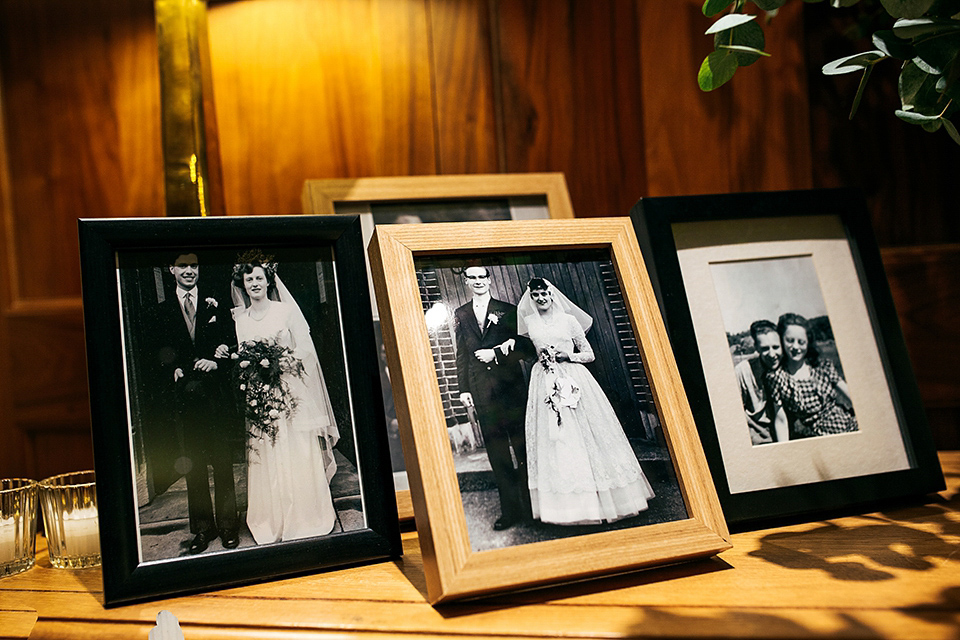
column 735, row 219
column 109, row 244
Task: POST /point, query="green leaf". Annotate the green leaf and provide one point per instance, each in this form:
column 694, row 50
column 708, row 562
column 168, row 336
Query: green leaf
column 853, row 63
column 769, row 5
column 949, row 83
column 914, row 118
column 729, row 21
column 933, row 125
column 893, row 46
column 751, row 50
column 918, row 90
column 952, row 130
column 717, row 69
column 906, row 8
column 746, row 40
column 935, row 54
column 908, row 29
column 713, row 7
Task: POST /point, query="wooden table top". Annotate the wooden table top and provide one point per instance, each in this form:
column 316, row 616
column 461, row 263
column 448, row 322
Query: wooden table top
column 890, row 574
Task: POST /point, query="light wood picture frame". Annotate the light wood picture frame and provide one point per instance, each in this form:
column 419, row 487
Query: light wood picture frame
column 453, row 565
column 509, row 196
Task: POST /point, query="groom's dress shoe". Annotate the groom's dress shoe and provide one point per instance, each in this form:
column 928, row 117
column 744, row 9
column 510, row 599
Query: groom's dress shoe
column 200, row 542
column 503, row 523
column 230, row 539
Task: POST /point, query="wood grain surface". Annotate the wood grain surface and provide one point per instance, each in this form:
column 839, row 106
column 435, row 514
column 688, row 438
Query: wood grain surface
column 453, row 571
column 889, row 574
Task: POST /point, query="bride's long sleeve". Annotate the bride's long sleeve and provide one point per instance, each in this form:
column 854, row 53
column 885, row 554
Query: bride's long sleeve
column 583, row 352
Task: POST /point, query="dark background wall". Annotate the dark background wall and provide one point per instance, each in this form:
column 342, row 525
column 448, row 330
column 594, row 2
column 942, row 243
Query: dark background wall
column 603, row 90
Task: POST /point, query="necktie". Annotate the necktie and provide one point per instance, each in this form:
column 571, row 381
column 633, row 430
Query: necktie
column 191, row 313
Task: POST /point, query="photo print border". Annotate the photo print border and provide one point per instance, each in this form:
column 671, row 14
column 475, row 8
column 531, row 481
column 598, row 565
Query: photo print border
column 732, row 224
column 125, row 577
column 452, row 569
column 460, row 197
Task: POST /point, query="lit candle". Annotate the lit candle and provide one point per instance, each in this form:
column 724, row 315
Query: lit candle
column 8, row 540
column 81, row 532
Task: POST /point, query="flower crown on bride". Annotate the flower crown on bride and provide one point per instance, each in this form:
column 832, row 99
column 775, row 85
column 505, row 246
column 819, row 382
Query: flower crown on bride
column 254, row 256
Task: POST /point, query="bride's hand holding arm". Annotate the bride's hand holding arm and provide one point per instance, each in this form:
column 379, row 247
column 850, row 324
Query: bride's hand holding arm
column 583, row 352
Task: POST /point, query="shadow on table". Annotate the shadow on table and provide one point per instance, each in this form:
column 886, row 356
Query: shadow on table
column 547, row 593
column 907, row 539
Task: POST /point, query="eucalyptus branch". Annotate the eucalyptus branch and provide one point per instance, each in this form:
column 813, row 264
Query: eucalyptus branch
column 925, row 36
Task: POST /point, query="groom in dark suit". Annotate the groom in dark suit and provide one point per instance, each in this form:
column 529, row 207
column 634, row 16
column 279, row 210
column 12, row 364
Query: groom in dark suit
column 190, row 328
column 490, row 378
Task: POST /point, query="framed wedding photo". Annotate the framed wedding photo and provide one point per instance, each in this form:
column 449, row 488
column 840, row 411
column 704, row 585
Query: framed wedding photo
column 790, row 350
column 233, row 390
column 580, row 456
column 426, row 199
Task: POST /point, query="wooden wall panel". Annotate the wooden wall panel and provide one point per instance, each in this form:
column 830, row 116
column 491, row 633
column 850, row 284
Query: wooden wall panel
column 83, row 133
column 309, row 89
column 750, row 135
column 464, row 86
column 571, row 82
column 82, row 139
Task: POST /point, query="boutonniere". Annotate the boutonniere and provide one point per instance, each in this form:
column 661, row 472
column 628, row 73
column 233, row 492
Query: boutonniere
column 212, row 302
column 495, row 318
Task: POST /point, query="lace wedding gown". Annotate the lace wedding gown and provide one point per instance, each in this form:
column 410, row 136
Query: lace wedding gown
column 288, row 490
column 582, row 470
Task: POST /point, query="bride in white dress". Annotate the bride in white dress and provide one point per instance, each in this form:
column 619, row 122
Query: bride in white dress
column 288, row 477
column 581, row 467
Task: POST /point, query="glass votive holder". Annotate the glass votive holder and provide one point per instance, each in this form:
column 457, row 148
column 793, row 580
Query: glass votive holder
column 69, row 503
column 18, row 525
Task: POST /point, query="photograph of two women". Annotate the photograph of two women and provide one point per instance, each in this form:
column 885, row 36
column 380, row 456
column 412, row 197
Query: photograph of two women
column 239, row 411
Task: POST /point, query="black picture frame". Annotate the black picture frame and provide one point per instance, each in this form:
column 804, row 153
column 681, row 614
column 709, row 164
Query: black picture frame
column 126, row 578
column 655, row 220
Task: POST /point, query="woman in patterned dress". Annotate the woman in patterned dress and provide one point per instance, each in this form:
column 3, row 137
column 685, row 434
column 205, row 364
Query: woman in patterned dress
column 806, row 389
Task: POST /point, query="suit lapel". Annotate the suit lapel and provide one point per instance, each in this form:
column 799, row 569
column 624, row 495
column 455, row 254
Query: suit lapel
column 492, row 310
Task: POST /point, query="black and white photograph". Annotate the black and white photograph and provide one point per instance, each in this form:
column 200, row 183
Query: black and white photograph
column 244, row 427
column 234, row 397
column 790, row 350
column 549, row 413
column 784, row 353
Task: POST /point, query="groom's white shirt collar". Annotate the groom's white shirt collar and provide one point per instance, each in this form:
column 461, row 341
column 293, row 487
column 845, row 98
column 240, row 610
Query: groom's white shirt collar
column 480, row 306
column 193, row 294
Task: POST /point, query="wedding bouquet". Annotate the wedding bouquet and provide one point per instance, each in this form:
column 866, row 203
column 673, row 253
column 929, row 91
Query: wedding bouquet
column 564, row 392
column 261, row 365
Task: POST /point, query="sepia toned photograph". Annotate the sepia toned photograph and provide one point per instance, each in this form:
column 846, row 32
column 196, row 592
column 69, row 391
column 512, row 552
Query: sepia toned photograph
column 784, row 353
column 234, row 416
column 548, row 409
